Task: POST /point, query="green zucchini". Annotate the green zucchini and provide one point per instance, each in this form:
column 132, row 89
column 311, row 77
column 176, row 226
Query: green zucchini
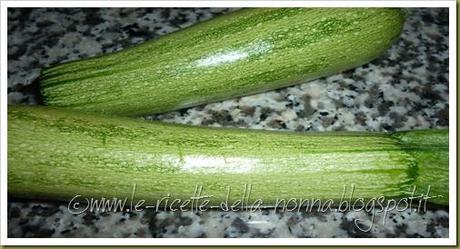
column 241, row 53
column 57, row 154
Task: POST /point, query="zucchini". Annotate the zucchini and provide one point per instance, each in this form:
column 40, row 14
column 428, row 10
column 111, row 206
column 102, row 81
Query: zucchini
column 241, row 53
column 57, row 154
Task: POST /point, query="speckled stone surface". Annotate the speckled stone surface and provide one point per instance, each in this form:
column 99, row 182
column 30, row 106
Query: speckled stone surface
column 407, row 88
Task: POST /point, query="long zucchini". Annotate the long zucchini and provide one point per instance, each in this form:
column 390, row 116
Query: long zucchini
column 241, row 53
column 57, row 154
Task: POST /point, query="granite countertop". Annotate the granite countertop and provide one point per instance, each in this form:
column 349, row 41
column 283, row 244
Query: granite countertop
column 406, row 88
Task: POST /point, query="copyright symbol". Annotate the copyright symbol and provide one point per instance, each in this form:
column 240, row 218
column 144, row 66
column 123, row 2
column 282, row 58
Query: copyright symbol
column 78, row 205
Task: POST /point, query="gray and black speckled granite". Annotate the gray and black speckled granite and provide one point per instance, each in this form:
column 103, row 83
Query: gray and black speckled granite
column 407, row 88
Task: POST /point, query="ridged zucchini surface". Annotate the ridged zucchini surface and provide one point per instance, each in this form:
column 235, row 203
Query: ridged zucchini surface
column 241, row 53
column 57, row 154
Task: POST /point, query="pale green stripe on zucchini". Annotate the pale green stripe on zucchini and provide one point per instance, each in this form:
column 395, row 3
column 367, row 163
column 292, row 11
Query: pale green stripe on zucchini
column 244, row 52
column 56, row 154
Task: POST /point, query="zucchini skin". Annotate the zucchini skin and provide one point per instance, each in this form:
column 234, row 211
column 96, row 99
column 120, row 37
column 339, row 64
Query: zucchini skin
column 57, row 154
column 241, row 53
